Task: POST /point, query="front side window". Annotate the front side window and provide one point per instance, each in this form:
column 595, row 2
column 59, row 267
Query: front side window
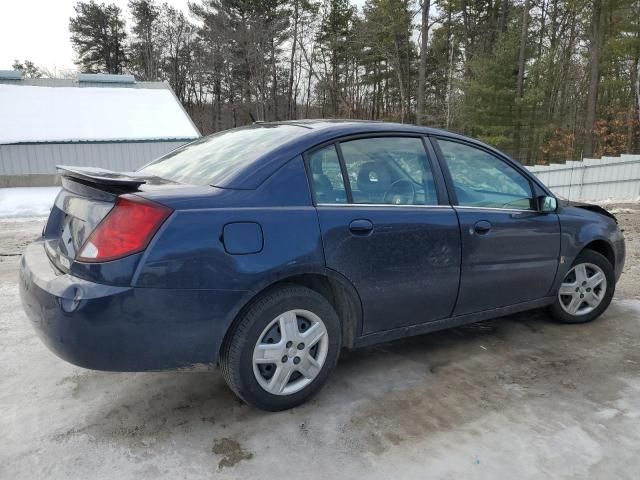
column 483, row 180
column 389, row 170
column 326, row 176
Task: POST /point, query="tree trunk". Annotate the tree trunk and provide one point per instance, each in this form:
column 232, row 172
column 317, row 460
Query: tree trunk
column 334, row 86
column 401, row 86
column 502, row 18
column 594, row 78
column 380, row 97
column 450, row 69
column 218, row 124
column 422, row 73
column 634, row 121
column 520, row 80
column 308, row 104
column 274, row 65
column 449, row 85
column 290, row 108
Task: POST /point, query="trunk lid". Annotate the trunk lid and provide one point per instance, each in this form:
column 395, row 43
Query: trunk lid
column 87, row 196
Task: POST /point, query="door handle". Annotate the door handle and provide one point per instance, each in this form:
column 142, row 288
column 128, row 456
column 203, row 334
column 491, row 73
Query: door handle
column 482, row 227
column 361, row 226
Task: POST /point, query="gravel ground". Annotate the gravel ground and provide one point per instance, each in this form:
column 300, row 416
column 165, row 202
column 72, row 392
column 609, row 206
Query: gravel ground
column 629, row 219
column 517, row 397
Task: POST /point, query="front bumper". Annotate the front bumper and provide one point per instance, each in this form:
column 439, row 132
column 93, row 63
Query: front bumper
column 112, row 328
column 620, row 252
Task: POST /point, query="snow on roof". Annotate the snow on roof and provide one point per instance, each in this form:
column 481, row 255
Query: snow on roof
column 105, row 78
column 72, row 114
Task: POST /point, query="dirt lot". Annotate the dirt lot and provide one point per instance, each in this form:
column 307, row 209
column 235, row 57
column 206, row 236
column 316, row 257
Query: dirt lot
column 629, row 219
column 518, row 397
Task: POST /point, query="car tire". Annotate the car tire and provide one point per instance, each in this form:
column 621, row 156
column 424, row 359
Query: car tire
column 573, row 286
column 272, row 371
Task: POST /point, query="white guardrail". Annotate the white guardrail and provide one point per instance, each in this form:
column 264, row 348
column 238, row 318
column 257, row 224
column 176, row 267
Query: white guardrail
column 608, row 178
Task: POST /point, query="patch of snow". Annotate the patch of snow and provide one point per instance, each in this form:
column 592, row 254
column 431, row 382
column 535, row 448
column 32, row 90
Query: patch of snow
column 622, row 210
column 610, row 200
column 65, row 114
column 27, row 201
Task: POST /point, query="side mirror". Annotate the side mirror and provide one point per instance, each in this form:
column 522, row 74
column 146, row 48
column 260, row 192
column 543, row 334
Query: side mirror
column 547, row 204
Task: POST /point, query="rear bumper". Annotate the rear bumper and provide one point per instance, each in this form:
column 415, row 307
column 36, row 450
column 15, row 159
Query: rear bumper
column 111, row 328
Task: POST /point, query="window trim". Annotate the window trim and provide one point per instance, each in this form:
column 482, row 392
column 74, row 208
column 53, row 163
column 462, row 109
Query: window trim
column 388, row 205
column 449, row 179
column 345, row 173
column 306, row 159
column 430, row 154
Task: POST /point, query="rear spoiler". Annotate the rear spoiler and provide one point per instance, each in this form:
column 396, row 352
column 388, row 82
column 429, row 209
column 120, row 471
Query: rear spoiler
column 101, row 177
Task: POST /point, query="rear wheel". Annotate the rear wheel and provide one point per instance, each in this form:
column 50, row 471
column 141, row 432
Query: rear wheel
column 586, row 290
column 282, row 349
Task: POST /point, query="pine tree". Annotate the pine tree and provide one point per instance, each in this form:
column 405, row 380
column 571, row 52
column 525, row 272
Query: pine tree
column 145, row 45
column 99, row 37
column 595, row 46
column 333, row 38
column 27, row 68
column 387, row 26
column 422, row 69
column 516, row 73
column 490, row 92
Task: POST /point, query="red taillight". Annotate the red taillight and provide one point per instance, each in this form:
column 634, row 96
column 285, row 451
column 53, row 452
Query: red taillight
column 127, row 228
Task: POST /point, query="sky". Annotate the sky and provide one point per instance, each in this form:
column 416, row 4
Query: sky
column 38, row 30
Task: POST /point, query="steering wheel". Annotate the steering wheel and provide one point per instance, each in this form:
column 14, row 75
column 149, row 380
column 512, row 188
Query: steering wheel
column 401, row 192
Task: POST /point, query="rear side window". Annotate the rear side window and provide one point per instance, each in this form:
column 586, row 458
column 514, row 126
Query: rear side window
column 326, row 176
column 389, row 170
column 483, row 180
column 213, row 159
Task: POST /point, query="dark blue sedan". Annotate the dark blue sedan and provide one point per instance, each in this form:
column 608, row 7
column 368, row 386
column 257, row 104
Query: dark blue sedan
column 267, row 249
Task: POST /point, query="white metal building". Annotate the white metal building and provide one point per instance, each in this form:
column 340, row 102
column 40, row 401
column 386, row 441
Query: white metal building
column 108, row 121
column 607, row 178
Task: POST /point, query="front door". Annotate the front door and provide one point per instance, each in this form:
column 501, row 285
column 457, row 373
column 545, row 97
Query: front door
column 385, row 228
column 510, row 251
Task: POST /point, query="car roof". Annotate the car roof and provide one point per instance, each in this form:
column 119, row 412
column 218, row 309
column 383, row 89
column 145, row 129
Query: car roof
column 351, row 124
column 318, row 131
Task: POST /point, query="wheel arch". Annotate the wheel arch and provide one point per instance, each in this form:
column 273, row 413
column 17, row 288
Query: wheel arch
column 604, row 248
column 334, row 287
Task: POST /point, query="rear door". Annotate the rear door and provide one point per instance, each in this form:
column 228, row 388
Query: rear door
column 387, row 227
column 510, row 251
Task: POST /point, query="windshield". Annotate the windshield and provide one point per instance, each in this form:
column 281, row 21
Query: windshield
column 210, row 160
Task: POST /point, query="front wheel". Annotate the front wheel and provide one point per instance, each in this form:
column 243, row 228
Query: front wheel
column 282, row 349
column 586, row 290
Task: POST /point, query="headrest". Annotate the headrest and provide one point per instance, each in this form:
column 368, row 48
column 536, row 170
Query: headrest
column 374, row 177
column 323, row 188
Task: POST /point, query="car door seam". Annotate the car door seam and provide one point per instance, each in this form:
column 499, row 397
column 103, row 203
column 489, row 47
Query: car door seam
column 460, row 243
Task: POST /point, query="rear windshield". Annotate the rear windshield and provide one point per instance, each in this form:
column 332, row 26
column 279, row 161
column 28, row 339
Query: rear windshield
column 210, row 160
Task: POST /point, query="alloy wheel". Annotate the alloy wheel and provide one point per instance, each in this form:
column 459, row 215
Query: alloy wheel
column 582, row 290
column 290, row 352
